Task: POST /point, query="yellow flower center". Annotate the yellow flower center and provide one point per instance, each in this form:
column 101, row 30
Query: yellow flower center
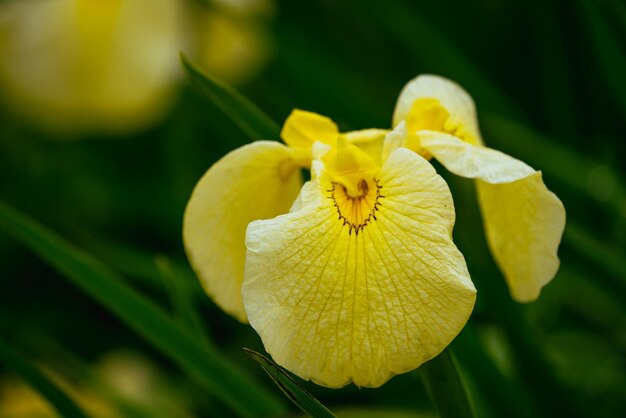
column 355, row 192
column 351, row 167
column 356, row 212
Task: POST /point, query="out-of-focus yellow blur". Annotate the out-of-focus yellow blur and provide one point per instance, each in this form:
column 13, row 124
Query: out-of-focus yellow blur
column 85, row 66
column 120, row 379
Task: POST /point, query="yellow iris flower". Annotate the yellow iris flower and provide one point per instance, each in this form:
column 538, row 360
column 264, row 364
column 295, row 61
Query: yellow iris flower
column 523, row 220
column 353, row 278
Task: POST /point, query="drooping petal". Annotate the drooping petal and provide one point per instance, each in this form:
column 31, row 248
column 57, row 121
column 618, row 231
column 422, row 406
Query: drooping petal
column 456, row 115
column 344, row 290
column 257, row 181
column 302, row 129
column 523, row 220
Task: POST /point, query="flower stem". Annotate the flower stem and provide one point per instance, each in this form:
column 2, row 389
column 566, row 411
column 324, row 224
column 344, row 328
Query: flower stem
column 443, row 383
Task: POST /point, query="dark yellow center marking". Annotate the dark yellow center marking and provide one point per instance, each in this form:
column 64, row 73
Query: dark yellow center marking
column 357, row 212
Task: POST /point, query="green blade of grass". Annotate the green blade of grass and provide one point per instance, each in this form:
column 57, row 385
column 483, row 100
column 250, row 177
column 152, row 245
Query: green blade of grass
column 209, row 369
column 606, row 48
column 141, row 265
column 605, row 256
column 296, row 393
column 617, row 9
column 182, row 301
column 444, row 385
column 256, row 124
column 505, row 398
column 556, row 92
column 38, row 381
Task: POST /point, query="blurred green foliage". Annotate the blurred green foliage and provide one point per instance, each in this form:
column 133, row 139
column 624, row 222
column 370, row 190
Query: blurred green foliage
column 548, row 80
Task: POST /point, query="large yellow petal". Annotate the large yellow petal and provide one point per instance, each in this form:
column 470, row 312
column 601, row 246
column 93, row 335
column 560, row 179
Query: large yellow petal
column 257, row 181
column 339, row 304
column 523, row 220
column 459, row 105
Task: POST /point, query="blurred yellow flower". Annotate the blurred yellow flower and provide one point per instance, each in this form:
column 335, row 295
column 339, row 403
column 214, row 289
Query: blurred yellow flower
column 83, row 66
column 78, row 65
column 523, row 220
column 120, row 378
column 360, row 280
column 231, row 43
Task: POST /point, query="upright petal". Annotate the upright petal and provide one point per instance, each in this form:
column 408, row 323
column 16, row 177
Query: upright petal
column 394, row 140
column 302, row 129
column 257, row 181
column 369, row 141
column 459, row 111
column 523, row 220
column 360, row 289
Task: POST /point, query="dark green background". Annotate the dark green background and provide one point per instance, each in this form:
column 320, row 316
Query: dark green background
column 549, row 81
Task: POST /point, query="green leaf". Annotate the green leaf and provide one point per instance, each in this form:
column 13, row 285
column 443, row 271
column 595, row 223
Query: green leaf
column 57, row 398
column 136, row 263
column 504, row 397
column 555, row 92
column 256, row 124
column 182, row 301
column 444, row 385
column 208, row 367
column 296, row 393
column 603, row 255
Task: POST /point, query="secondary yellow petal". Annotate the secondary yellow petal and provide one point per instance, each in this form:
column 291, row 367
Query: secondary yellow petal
column 523, row 220
column 457, row 114
column 347, row 291
column 302, row 129
column 257, row 181
column 524, row 223
column 472, row 161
